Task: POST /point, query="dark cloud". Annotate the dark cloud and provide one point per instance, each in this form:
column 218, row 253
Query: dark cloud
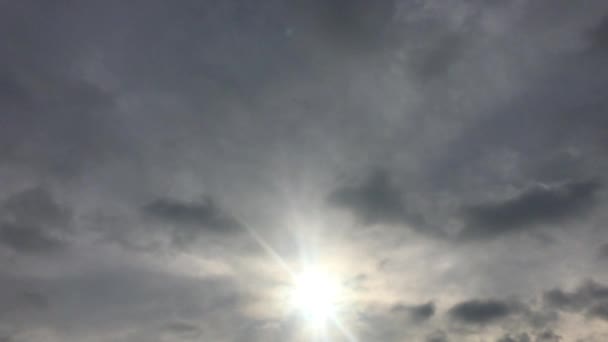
column 481, row 311
column 603, row 251
column 30, row 239
column 377, row 199
column 206, row 213
column 423, row 312
column 417, row 313
column 33, row 222
column 558, row 110
column 12, row 92
column 434, row 61
column 53, row 123
column 599, row 311
column 354, row 24
column 586, row 295
column 590, row 298
column 599, row 36
column 191, row 219
column 35, row 206
column 55, row 120
column 534, row 206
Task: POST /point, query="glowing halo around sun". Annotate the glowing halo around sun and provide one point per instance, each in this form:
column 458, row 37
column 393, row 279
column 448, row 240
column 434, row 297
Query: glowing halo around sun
column 316, row 295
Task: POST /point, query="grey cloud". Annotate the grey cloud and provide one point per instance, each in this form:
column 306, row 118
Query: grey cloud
column 389, row 324
column 357, row 24
column 603, row 251
column 437, row 336
column 206, row 213
column 541, row 318
column 544, row 336
column 33, row 222
column 183, row 330
column 560, row 110
column 35, row 299
column 376, row 199
column 523, row 337
column 263, row 103
column 599, row 36
column 126, row 298
column 481, row 311
column 433, row 61
column 561, row 299
column 191, row 219
column 599, row 311
column 12, row 92
column 423, row 312
column 30, row 239
column 35, row 206
column 23, row 301
column 586, row 295
column 418, row 313
column 548, row 336
column 53, row 123
column 534, row 206
column 591, row 298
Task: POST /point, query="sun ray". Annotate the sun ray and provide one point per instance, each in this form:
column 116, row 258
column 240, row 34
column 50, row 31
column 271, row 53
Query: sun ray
column 314, row 292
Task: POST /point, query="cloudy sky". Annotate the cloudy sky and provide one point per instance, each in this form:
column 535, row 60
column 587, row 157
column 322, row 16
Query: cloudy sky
column 167, row 166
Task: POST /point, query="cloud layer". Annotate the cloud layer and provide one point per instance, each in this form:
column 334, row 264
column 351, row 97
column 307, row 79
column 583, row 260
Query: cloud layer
column 163, row 164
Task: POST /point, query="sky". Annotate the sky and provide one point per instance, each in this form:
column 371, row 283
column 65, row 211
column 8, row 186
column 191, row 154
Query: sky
column 166, row 167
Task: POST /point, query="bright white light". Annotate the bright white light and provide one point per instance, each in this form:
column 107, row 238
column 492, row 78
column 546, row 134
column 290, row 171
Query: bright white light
column 315, row 294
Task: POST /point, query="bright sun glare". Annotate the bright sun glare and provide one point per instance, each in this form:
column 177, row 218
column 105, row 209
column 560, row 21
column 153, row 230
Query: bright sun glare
column 315, row 294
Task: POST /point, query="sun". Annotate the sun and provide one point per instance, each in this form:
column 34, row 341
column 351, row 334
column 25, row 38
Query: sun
column 315, row 294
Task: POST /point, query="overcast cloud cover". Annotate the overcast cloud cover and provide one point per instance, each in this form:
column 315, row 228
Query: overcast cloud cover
column 446, row 159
